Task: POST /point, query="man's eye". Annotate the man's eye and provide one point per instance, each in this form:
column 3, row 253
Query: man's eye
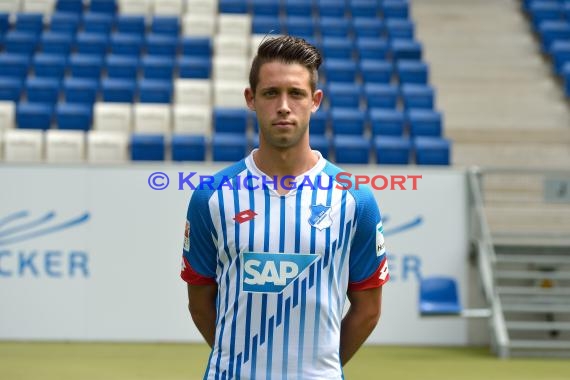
column 270, row 93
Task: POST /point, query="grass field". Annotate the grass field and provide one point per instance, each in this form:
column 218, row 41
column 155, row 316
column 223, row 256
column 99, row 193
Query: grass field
column 103, row 361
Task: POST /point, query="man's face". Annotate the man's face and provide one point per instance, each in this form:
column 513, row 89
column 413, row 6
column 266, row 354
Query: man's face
column 283, row 102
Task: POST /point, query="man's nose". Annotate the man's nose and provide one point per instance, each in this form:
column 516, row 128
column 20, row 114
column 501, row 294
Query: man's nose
column 283, row 106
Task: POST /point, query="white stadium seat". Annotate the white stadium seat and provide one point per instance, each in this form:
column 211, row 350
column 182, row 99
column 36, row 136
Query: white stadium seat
column 113, row 117
column 198, row 25
column 10, row 6
column 1, row 145
column 107, row 147
column 229, row 94
column 192, row 120
column 230, row 68
column 39, row 6
column 168, row 7
column 23, row 145
column 202, row 7
column 7, row 111
column 65, row 146
column 196, row 92
column 238, row 25
column 226, row 45
column 152, row 118
column 135, row 7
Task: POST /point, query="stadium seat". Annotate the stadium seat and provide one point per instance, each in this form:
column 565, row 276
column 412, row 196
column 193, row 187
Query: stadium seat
column 229, row 46
column 10, row 6
column 334, row 27
column 376, row 71
column 126, row 44
column 145, row 147
column 113, row 117
column 195, row 92
column 92, row 43
column 230, row 68
column 194, row 67
column 439, row 296
column 42, row 90
column 29, row 22
column 425, row 122
column 340, row 70
column 155, row 91
column 38, row 6
column 432, row 151
column 118, row 90
column 152, row 118
column 104, row 6
column 23, row 146
column 380, row 95
column 157, row 67
column 417, row 96
column 233, row 6
column 161, row 45
column 229, row 94
column 344, row 95
column 192, row 120
column 348, row 121
column 398, row 9
column 80, row 90
column 18, row 42
column 202, row 7
column 4, row 22
column 386, row 122
column 196, row 47
column 372, row 48
column 367, row 27
column 14, row 66
column 266, row 25
column 198, row 25
column 49, row 65
column 56, row 42
column 551, row 31
column 541, row 11
column 7, row 113
column 300, row 26
column 85, row 65
column 400, row 29
column 65, row 146
column 188, row 148
column 131, row 24
column 122, row 67
column 364, row 8
column 566, row 78
column 298, row 7
column 168, row 7
column 560, row 52
column 265, row 8
column 64, row 22
column 337, row 48
column 165, row 25
column 107, row 147
column 10, row 89
column 323, row 144
column 351, row 149
column 406, row 49
column 392, row 150
column 74, row 116
column 98, row 22
column 331, row 8
column 69, row 6
column 238, row 25
column 34, row 115
column 230, row 147
column 412, row 72
column 319, row 122
column 230, row 120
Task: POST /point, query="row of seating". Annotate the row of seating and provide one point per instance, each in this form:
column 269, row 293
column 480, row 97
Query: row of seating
column 99, row 146
column 546, row 10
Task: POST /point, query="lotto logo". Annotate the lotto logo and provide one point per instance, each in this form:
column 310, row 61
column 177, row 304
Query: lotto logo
column 273, row 272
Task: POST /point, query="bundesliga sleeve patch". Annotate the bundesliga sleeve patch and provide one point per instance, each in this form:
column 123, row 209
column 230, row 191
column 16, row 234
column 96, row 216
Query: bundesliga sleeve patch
column 380, row 247
column 187, row 236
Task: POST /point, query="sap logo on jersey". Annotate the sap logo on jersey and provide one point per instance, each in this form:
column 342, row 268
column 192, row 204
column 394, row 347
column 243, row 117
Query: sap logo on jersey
column 273, row 272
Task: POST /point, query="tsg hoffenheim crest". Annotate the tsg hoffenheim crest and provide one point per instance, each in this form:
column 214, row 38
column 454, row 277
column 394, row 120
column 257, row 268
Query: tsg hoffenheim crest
column 320, row 216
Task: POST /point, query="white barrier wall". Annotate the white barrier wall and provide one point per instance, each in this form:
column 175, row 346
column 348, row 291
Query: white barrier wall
column 93, row 253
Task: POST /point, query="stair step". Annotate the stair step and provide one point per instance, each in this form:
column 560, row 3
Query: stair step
column 534, row 259
column 542, row 326
column 531, row 275
column 536, row 308
column 544, row 344
column 535, row 299
column 532, row 291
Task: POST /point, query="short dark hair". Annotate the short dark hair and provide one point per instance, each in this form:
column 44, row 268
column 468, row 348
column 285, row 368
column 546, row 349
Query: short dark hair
column 286, row 49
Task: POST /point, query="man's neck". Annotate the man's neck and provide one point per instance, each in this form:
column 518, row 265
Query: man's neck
column 286, row 162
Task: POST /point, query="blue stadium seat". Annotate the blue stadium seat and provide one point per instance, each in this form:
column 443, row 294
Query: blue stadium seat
column 344, row 95
column 92, row 43
column 386, row 122
column 64, row 22
column 321, row 143
column 230, row 147
column 376, row 71
column 196, row 47
column 168, row 25
column 560, row 51
column 545, row 11
column 565, row 72
column 432, row 151
column 98, row 22
column 74, row 116
column 194, row 67
column 319, row 122
column 265, row 8
column 10, row 88
column 233, row 6
column 364, row 8
column 29, row 22
column 42, row 90
column 340, row 70
column 56, row 42
column 122, row 66
column 417, row 96
column 380, row 95
column 551, row 31
column 266, row 24
column 368, row 27
column 400, row 29
column 425, row 123
column 406, row 49
column 348, row 121
column 372, row 48
column 230, row 120
column 80, row 90
column 392, row 150
column 334, row 27
column 50, row 65
column 412, row 72
column 300, row 26
column 126, row 44
column 14, row 65
column 188, row 148
column 351, row 149
column 4, row 22
column 157, row 67
column 18, row 42
column 70, row 6
column 155, row 91
column 34, row 115
column 161, row 44
column 131, row 24
column 298, row 7
column 439, row 296
column 103, row 6
column 85, row 65
column 145, row 147
column 331, row 8
column 118, row 90
column 337, row 47
column 395, row 9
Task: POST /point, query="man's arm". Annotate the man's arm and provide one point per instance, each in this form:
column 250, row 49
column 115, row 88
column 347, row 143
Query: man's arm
column 202, row 306
column 359, row 321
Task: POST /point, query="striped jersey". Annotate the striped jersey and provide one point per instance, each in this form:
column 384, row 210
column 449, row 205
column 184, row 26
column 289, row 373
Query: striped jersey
column 283, row 265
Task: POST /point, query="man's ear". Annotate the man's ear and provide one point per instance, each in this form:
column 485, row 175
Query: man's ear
column 249, row 98
column 317, row 99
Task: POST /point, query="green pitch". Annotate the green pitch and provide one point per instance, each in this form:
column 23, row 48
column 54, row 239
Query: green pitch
column 105, row 361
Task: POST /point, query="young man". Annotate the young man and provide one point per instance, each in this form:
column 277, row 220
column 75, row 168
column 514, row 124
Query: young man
column 275, row 246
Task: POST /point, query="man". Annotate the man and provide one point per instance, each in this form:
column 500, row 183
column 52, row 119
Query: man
column 272, row 250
